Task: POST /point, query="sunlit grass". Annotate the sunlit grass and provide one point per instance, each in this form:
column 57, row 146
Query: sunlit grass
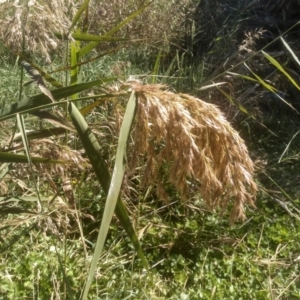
column 192, row 252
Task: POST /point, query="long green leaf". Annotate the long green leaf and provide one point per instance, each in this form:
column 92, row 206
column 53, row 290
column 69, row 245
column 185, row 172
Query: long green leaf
column 114, row 189
column 75, row 46
column 269, row 87
column 103, row 54
column 21, row 125
column 38, row 79
column 88, row 48
column 290, row 50
column 274, row 62
column 170, row 68
column 242, row 76
column 81, row 9
column 156, row 68
column 74, row 61
column 97, row 38
column 288, row 146
column 41, row 99
column 234, row 101
column 15, row 210
column 92, row 149
column 20, row 200
column 4, row 169
column 45, row 75
column 65, row 277
column 213, row 85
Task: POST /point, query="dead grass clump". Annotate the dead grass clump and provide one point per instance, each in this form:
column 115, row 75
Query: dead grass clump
column 194, row 142
column 32, row 24
column 52, row 150
column 54, row 183
column 161, row 22
column 51, row 176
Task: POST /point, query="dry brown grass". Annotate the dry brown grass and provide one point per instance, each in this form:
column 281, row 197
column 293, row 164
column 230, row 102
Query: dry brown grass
column 161, row 21
column 191, row 141
column 33, row 25
column 54, row 184
column 47, row 174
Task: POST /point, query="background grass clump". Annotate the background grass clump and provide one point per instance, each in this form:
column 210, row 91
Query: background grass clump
column 190, row 166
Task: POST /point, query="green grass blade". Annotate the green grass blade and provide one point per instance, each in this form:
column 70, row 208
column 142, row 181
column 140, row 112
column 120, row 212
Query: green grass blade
column 23, row 199
column 114, row 189
column 21, row 125
column 233, row 101
column 269, row 87
column 91, row 146
column 242, row 76
column 85, row 20
column 103, row 54
column 78, row 14
column 156, row 68
column 75, row 46
column 88, row 48
column 54, row 120
column 97, row 38
column 4, row 210
column 38, row 79
column 41, row 99
column 65, row 277
column 4, row 169
column 290, row 50
column 288, row 146
column 170, row 68
column 88, row 108
column 74, row 62
column 213, row 85
column 93, row 149
column 45, row 75
column 275, row 63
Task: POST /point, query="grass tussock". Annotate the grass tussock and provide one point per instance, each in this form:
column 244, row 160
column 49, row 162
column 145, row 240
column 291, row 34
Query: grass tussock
column 196, row 144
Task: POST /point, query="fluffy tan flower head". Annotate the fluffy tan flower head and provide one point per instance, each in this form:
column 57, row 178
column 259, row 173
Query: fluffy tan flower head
column 191, row 141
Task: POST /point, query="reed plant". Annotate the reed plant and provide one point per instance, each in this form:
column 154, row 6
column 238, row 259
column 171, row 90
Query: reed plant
column 117, row 137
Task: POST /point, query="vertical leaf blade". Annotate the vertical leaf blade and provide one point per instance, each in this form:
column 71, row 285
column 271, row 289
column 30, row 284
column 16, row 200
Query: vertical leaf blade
column 93, row 149
column 114, row 189
column 80, row 11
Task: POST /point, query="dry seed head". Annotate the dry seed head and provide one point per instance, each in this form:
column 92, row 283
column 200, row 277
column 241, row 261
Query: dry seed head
column 249, row 42
column 193, row 142
column 36, row 21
